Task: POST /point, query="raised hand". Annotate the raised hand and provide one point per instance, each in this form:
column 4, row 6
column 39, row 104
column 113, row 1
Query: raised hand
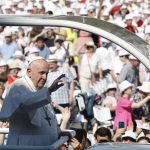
column 56, row 84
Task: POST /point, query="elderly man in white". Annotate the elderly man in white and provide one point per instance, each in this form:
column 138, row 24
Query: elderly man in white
column 25, row 105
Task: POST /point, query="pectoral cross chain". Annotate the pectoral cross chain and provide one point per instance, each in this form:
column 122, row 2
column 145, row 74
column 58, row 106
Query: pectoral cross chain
column 48, row 119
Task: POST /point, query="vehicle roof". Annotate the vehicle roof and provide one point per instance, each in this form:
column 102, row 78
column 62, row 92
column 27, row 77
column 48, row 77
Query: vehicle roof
column 119, row 146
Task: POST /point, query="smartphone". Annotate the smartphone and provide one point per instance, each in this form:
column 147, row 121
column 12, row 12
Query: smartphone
column 121, row 124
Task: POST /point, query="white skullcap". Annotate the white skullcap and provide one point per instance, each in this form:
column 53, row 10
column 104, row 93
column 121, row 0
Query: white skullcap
column 34, row 58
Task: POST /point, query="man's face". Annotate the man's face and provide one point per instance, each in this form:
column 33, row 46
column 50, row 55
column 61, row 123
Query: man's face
column 8, row 39
column 40, row 44
column 14, row 72
column 38, row 73
column 3, row 69
column 52, row 66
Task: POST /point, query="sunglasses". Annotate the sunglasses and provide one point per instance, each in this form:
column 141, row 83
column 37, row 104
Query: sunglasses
column 91, row 12
column 88, row 47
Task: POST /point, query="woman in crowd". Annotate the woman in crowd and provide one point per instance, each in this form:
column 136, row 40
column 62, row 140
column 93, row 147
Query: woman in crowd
column 124, row 109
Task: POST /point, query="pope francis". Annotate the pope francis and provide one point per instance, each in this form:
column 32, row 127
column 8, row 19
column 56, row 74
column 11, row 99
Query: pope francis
column 31, row 122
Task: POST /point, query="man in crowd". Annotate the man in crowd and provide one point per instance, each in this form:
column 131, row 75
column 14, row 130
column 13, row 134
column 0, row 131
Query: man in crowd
column 9, row 47
column 25, row 105
column 64, row 95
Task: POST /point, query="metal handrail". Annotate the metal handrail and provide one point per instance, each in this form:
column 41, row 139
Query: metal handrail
column 54, row 146
column 68, row 134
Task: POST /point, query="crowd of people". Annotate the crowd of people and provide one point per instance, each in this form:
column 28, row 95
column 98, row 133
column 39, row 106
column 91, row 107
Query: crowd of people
column 73, row 64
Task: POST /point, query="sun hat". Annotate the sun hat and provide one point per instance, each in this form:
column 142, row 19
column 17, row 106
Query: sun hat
column 132, row 57
column 130, row 134
column 14, row 65
column 7, row 33
column 52, row 58
column 145, row 87
column 91, row 7
column 124, row 85
column 18, row 53
column 3, row 62
column 111, row 86
column 145, row 126
column 33, row 50
column 122, row 52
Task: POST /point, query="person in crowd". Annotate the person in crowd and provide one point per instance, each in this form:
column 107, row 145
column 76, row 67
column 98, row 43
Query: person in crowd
column 25, row 105
column 129, row 136
column 3, row 70
column 9, row 47
column 59, row 51
column 79, row 141
column 129, row 23
column 41, row 46
column 2, row 124
column 91, row 11
column 20, row 59
column 125, row 71
column 135, row 67
column 14, row 69
column 110, row 100
column 50, row 37
column 2, row 88
column 143, row 112
column 145, row 130
column 143, row 140
column 124, row 109
column 83, row 38
column 103, row 134
column 129, row 70
column 89, row 67
column 64, row 95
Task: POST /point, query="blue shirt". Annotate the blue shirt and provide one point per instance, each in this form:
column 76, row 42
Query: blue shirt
column 7, row 50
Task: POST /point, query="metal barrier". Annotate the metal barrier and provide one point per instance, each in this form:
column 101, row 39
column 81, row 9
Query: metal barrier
column 67, row 135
